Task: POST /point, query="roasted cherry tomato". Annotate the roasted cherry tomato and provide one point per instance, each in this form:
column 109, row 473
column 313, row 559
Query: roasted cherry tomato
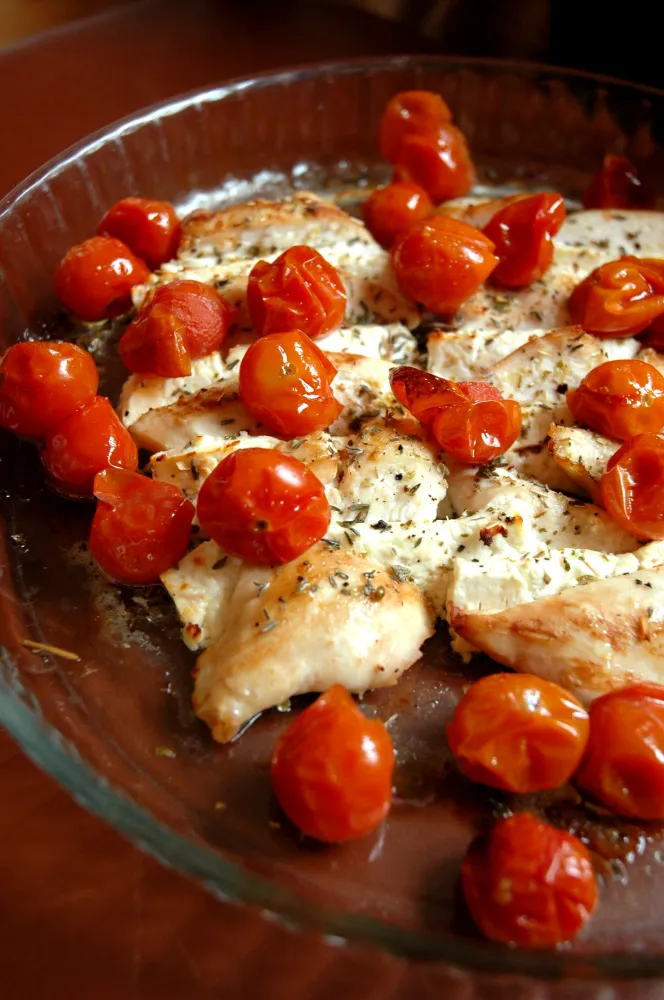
column 300, row 290
column 41, row 383
column 617, row 185
column 285, row 384
column 423, row 393
column 94, row 279
column 441, row 261
column 437, row 161
column 523, row 234
column 141, row 526
column 620, row 399
column 86, row 442
column 529, row 884
column 620, row 298
column 412, row 112
column 632, row 487
column 624, row 764
column 332, row 770
column 518, row 732
column 390, row 211
column 263, row 506
column 150, row 228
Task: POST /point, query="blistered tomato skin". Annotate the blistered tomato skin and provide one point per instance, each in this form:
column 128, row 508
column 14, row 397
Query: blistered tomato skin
column 439, row 162
column 41, row 383
column 141, row 527
column 94, row 279
column 624, row 763
column 620, row 399
column 156, row 343
column 518, row 732
column 390, row 211
column 285, row 383
column 84, row 444
column 442, row 261
column 617, row 185
column 148, row 227
column 332, row 770
column 529, row 884
column 263, row 506
column 523, row 234
column 632, row 488
column 300, row 290
column 411, row 112
column 621, row 298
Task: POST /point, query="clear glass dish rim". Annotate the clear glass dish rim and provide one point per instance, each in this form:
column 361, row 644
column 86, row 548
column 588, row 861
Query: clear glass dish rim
column 46, row 746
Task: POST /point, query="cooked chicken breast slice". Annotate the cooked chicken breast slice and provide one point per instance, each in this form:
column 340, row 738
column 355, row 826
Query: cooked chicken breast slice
column 614, row 233
column 313, row 638
column 582, row 454
column 141, row 393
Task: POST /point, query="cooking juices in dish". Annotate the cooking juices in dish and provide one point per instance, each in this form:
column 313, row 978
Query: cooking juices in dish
column 321, row 492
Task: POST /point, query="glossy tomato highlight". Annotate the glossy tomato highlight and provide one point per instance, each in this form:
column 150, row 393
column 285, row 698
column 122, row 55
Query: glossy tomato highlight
column 523, row 232
column 617, row 185
column 619, row 299
column 150, row 228
column 439, row 162
column 620, row 399
column 632, row 488
column 412, row 112
column 390, row 211
column 94, row 279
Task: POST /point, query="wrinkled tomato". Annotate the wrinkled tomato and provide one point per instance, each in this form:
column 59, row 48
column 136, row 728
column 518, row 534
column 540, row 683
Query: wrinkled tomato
column 41, row 383
column 140, row 528
column 624, row 764
column 150, row 228
column 86, row 442
column 442, row 261
column 529, row 884
column 390, row 211
column 617, row 185
column 619, row 299
column 300, row 290
column 285, row 383
column 94, row 279
column 412, row 112
column 620, row 399
column 263, row 506
column 518, row 732
column 423, row 393
column 439, row 162
column 632, row 488
column 332, row 770
column 523, row 234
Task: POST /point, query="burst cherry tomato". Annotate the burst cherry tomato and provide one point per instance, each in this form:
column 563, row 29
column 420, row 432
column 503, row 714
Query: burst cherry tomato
column 523, row 234
column 529, row 884
column 263, row 506
column 620, row 399
column 285, row 384
column 633, row 486
column 620, row 298
column 439, row 162
column 412, row 112
column 441, row 261
column 41, row 383
column 389, row 211
column 332, row 770
column 518, row 732
column 617, row 185
column 94, row 279
column 300, row 290
column 422, row 393
column 624, row 764
column 150, row 228
column 86, row 442
column 141, row 526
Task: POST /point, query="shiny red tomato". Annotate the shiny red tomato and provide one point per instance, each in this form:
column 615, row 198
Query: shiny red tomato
column 94, row 279
column 41, row 383
column 617, row 185
column 529, row 884
column 390, row 211
column 624, row 764
column 156, row 343
column 523, row 234
column 150, row 228
column 620, row 399
column 300, row 290
column 439, row 162
column 285, row 383
column 518, row 732
column 442, row 261
column 263, row 506
column 632, row 488
column 332, row 770
column 141, row 526
column 412, row 112
column 86, row 442
column 620, row 298
column 422, row 393
column 478, row 430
